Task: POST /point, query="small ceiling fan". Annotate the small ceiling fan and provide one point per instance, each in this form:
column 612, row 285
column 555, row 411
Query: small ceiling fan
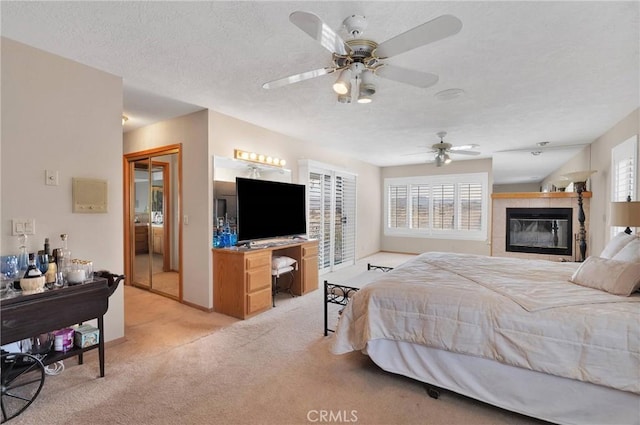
column 442, row 150
column 360, row 61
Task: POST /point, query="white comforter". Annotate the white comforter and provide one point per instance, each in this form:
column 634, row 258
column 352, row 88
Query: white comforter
column 523, row 313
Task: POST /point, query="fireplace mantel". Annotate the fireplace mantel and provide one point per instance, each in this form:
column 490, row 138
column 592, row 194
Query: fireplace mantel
column 538, row 195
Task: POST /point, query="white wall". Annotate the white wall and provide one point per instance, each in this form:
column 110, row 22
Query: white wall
column 597, row 156
column 419, row 245
column 60, row 115
column 191, row 131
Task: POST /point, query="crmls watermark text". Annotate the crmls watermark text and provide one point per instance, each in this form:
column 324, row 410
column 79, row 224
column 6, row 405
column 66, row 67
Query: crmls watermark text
column 332, row 416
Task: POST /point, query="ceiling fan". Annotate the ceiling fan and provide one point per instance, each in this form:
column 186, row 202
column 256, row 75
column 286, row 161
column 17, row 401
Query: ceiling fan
column 360, row 60
column 442, row 150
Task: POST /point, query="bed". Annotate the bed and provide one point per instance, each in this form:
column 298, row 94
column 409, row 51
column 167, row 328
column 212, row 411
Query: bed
column 510, row 332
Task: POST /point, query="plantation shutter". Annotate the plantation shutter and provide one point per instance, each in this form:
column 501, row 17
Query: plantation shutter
column 345, row 220
column 470, row 206
column 332, row 213
column 443, row 206
column 317, row 219
column 420, row 199
column 623, row 176
column 397, row 206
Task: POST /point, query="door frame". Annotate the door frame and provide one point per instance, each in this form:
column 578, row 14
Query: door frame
column 128, row 218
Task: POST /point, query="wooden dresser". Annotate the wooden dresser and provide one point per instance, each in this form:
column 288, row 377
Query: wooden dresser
column 242, row 276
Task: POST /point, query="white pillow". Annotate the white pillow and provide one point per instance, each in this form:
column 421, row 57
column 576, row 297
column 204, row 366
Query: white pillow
column 615, row 277
column 279, row 262
column 614, row 246
column 630, row 253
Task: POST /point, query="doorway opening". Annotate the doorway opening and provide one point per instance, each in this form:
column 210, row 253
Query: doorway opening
column 153, row 231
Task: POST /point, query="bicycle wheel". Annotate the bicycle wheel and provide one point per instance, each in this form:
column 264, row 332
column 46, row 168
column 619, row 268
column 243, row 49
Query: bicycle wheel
column 22, row 379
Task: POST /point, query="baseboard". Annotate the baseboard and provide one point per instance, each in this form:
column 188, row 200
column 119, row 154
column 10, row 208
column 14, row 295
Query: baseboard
column 198, row 307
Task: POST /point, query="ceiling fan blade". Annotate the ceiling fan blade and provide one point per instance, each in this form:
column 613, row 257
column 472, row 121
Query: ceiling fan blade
column 464, row 147
column 547, row 148
column 319, row 31
column 464, row 152
column 297, row 78
column 407, row 76
column 434, row 30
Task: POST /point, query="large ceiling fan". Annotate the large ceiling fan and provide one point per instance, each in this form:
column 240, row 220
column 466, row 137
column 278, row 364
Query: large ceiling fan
column 360, row 60
column 442, row 150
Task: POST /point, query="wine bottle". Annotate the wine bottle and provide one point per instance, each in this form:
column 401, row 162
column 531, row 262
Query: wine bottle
column 47, row 247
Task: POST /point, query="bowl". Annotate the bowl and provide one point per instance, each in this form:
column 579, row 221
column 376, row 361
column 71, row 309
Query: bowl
column 42, row 344
column 32, row 285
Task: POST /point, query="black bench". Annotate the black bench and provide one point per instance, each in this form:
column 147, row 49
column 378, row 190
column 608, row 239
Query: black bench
column 341, row 294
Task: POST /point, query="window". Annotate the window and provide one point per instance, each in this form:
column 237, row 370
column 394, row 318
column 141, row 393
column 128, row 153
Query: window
column 444, row 206
column 624, row 174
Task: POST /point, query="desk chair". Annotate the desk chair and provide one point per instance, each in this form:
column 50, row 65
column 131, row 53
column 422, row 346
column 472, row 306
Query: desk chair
column 281, row 265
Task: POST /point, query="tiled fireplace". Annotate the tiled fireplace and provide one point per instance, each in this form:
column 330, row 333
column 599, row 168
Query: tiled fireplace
column 537, row 225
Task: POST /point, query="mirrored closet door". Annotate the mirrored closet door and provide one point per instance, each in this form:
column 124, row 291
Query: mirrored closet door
column 154, row 260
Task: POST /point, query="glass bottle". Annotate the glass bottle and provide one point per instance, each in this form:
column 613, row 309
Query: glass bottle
column 64, row 258
column 51, row 275
column 23, row 257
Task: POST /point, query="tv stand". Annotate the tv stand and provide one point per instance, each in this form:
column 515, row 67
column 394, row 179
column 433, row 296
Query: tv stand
column 242, row 276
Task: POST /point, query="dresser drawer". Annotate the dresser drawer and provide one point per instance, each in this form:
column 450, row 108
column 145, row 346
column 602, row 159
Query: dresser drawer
column 310, row 250
column 258, row 301
column 258, row 259
column 258, row 278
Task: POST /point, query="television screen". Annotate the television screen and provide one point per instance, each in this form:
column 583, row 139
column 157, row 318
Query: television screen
column 268, row 209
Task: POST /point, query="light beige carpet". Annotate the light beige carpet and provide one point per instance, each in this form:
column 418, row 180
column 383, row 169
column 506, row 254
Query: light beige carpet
column 190, row 367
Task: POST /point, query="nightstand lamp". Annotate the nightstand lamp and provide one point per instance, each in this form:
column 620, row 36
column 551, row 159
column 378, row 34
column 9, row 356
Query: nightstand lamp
column 625, row 214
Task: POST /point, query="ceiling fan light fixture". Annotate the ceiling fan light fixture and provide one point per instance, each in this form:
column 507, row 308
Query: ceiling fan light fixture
column 364, row 98
column 343, row 83
column 367, row 85
column 439, row 161
column 344, row 98
column 447, row 159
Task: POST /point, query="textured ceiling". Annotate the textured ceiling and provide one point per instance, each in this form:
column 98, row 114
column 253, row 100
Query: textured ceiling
column 563, row 72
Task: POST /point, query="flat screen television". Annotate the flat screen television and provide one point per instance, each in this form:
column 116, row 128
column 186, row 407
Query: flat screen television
column 269, row 209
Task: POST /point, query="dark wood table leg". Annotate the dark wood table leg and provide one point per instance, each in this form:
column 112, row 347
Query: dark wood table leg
column 101, row 345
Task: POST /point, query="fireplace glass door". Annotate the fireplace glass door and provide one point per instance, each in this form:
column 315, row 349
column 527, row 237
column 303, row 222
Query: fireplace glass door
column 539, row 230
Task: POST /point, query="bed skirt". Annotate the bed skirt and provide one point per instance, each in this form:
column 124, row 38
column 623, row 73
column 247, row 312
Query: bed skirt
column 551, row 398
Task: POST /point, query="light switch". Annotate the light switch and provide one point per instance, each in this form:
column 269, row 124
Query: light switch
column 21, row 226
column 51, row 177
